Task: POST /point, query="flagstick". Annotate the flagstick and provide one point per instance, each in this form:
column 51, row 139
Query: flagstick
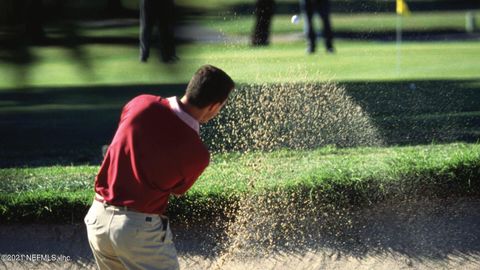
column 399, row 43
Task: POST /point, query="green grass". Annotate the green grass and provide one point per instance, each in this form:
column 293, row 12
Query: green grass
column 63, row 112
column 360, row 23
column 354, row 61
column 286, row 168
column 68, row 125
column 221, row 5
column 96, row 64
column 349, row 177
column 367, row 24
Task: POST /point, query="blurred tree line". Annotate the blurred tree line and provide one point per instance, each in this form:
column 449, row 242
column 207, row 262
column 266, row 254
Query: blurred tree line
column 25, row 19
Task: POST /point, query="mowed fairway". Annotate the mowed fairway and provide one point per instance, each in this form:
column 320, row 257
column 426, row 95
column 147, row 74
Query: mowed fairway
column 63, row 110
column 287, row 62
column 367, row 24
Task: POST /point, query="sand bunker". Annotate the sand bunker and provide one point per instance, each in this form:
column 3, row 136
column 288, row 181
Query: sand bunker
column 419, row 235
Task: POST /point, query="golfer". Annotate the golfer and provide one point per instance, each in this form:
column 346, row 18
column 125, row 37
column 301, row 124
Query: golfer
column 155, row 152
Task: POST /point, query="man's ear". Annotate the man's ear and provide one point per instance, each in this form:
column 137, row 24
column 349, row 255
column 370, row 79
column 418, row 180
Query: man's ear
column 212, row 107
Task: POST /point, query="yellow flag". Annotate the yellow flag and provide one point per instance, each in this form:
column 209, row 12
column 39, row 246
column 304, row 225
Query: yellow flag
column 402, row 8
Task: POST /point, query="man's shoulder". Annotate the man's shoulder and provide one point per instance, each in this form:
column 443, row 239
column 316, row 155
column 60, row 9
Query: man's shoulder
column 146, row 99
column 145, row 102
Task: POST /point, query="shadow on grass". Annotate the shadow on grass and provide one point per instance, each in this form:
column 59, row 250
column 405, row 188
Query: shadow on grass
column 409, row 35
column 47, row 126
column 421, row 112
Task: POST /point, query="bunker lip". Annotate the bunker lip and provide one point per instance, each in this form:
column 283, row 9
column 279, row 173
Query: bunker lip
column 422, row 234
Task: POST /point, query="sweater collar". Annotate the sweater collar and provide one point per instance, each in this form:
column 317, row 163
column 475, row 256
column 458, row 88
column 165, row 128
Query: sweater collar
column 187, row 118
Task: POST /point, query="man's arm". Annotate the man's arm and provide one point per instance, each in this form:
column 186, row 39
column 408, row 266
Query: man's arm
column 182, row 187
column 192, row 164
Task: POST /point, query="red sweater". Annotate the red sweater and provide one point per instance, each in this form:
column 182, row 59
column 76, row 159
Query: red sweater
column 153, row 154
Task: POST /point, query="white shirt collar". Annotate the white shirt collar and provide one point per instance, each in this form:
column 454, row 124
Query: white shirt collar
column 187, row 118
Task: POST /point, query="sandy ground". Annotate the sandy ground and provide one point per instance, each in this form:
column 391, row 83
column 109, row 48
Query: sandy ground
column 421, row 235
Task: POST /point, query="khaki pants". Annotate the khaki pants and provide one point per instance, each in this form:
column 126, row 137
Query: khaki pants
column 123, row 239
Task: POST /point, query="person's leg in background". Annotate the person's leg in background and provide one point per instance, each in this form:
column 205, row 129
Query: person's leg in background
column 166, row 28
column 324, row 11
column 306, row 6
column 147, row 20
column 264, row 10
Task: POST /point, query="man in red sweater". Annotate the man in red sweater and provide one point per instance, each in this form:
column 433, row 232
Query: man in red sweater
column 155, row 152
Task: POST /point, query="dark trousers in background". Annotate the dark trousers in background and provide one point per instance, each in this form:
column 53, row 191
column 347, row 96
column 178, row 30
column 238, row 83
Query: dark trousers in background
column 162, row 13
column 264, row 10
column 308, row 7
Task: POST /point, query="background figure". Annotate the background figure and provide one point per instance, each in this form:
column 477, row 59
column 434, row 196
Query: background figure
column 263, row 11
column 163, row 13
column 323, row 8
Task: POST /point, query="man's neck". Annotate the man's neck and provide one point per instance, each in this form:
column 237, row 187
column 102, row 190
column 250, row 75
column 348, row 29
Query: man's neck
column 191, row 110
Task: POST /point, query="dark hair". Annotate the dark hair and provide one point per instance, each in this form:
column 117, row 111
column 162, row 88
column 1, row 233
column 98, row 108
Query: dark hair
column 209, row 85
